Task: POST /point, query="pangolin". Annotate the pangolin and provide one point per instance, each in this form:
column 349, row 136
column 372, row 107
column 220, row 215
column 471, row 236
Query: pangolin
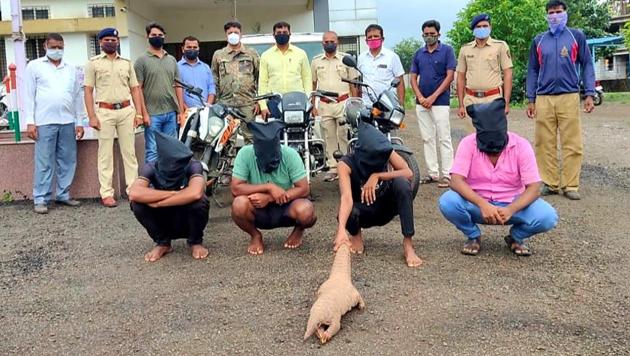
column 335, row 297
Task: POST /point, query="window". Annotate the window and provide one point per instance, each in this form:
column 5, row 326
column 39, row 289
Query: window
column 349, row 45
column 95, row 49
column 610, row 63
column 101, row 10
column 35, row 47
column 3, row 59
column 35, row 13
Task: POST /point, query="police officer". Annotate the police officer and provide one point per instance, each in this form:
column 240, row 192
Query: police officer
column 484, row 68
column 109, row 81
column 235, row 72
column 328, row 70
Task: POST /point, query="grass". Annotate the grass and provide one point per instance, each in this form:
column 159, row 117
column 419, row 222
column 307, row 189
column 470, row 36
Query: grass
column 617, row 98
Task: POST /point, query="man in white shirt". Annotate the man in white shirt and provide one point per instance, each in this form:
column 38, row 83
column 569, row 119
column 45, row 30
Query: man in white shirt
column 54, row 109
column 380, row 66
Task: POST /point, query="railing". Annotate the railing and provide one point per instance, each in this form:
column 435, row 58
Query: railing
column 619, row 8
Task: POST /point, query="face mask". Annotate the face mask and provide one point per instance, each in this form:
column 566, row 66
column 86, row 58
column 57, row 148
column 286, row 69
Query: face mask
column 109, row 47
column 481, row 32
column 557, row 22
column 430, row 40
column 156, row 42
column 233, row 39
column 375, row 43
column 330, row 47
column 191, row 54
column 54, row 54
column 282, row 38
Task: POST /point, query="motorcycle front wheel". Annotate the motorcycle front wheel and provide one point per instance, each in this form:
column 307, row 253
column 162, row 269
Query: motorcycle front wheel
column 598, row 99
column 415, row 169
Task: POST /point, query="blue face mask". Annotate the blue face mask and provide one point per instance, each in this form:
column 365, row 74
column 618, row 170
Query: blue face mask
column 54, row 54
column 557, row 22
column 481, row 32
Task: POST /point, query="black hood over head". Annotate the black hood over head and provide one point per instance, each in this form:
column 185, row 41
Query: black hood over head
column 491, row 124
column 173, row 159
column 267, row 144
column 371, row 152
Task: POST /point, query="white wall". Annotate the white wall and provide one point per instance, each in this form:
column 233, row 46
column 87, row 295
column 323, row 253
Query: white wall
column 351, row 17
column 139, row 14
column 59, row 9
column 207, row 24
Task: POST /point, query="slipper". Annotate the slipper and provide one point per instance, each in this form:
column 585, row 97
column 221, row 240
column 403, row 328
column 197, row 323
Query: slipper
column 428, row 180
column 516, row 248
column 472, row 247
column 331, row 177
column 445, row 182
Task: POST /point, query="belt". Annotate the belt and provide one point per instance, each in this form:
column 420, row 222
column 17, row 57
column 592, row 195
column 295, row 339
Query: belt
column 482, row 93
column 115, row 106
column 339, row 99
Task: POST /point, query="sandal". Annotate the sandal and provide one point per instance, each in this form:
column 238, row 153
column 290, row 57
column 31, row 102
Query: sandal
column 428, row 180
column 331, row 177
column 472, row 247
column 445, row 182
column 516, row 248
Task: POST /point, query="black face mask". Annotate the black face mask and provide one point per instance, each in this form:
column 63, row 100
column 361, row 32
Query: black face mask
column 371, row 152
column 173, row 159
column 267, row 144
column 191, row 54
column 109, row 47
column 156, row 42
column 282, row 38
column 330, row 47
column 491, row 125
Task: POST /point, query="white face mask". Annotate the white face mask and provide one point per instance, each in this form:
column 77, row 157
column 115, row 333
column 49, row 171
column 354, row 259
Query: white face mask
column 233, row 38
column 54, row 54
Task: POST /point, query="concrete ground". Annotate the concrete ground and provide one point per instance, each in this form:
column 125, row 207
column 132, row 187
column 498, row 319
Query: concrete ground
column 74, row 282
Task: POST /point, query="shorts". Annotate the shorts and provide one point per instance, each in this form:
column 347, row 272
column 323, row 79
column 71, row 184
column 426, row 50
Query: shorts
column 273, row 216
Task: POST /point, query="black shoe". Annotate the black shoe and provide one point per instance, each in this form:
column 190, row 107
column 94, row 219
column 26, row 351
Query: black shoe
column 546, row 190
column 69, row 202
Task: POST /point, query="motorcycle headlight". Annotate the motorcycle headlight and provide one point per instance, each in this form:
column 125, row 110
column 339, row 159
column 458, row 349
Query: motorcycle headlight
column 397, row 117
column 215, row 125
column 294, row 117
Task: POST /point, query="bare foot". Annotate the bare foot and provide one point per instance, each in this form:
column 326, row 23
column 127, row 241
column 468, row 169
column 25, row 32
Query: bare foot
column 157, row 252
column 199, row 251
column 411, row 258
column 294, row 240
column 256, row 246
column 357, row 244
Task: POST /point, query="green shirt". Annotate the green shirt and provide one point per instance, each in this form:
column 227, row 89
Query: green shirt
column 157, row 76
column 290, row 170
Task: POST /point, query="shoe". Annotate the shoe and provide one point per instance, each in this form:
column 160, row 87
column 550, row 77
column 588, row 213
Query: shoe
column 41, row 209
column 547, row 190
column 109, row 202
column 69, row 202
column 572, row 195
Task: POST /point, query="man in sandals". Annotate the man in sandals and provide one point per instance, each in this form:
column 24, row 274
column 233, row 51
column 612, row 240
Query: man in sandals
column 495, row 181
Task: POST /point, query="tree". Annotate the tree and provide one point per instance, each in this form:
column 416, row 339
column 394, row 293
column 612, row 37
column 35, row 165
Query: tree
column 518, row 21
column 406, row 49
column 626, row 34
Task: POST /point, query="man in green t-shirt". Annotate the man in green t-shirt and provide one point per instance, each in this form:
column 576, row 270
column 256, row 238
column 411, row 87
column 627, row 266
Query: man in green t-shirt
column 270, row 188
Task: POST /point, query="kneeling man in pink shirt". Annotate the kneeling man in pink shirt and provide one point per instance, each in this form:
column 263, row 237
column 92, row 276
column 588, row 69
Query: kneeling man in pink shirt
column 495, row 181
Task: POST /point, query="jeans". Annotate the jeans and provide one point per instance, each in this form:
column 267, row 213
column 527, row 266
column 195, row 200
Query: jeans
column 164, row 123
column 174, row 222
column 55, row 151
column 396, row 200
column 536, row 218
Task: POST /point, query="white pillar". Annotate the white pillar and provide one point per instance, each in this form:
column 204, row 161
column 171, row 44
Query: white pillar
column 19, row 52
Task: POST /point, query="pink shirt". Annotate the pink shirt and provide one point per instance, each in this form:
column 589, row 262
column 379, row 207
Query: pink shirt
column 515, row 168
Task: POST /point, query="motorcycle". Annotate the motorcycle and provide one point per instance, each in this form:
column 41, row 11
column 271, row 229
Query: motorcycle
column 386, row 114
column 210, row 132
column 299, row 133
column 598, row 98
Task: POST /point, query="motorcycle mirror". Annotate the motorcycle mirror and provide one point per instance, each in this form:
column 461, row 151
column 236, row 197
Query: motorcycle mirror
column 395, row 82
column 349, row 61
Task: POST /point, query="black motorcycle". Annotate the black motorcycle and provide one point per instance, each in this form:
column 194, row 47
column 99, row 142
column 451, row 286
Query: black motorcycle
column 598, row 98
column 386, row 114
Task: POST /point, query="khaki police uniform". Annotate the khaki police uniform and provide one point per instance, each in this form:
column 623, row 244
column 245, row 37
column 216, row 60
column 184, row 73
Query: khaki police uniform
column 328, row 72
column 483, row 67
column 235, row 75
column 112, row 81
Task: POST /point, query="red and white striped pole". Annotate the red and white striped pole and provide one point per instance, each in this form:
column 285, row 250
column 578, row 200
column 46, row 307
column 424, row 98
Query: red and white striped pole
column 13, row 112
